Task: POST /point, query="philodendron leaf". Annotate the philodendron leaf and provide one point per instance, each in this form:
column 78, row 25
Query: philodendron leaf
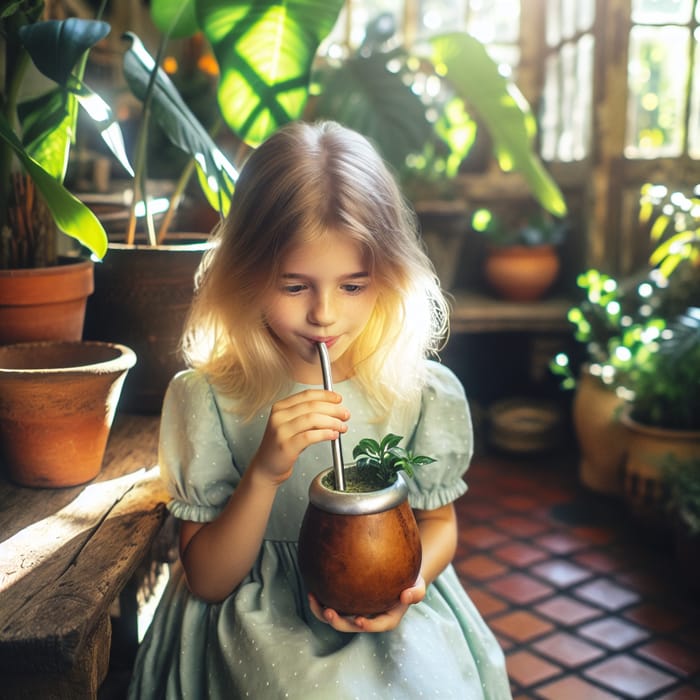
column 467, row 66
column 366, row 96
column 180, row 125
column 70, row 214
column 264, row 49
column 56, row 46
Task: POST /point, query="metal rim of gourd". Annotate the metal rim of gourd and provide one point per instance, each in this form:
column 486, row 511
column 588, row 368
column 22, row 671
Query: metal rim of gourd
column 354, row 503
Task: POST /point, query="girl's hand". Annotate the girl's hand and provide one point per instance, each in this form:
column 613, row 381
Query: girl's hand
column 300, row 420
column 379, row 623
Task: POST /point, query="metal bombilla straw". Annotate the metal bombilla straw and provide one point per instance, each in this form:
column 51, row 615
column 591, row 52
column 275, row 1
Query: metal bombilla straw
column 338, row 468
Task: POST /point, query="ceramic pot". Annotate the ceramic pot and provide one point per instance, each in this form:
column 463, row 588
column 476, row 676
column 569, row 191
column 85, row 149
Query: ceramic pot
column 600, row 435
column 45, row 303
column 142, row 296
column 521, row 273
column 358, row 551
column 648, row 447
column 57, row 403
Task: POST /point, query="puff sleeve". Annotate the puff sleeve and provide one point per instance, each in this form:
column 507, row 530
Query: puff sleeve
column 195, row 460
column 443, row 431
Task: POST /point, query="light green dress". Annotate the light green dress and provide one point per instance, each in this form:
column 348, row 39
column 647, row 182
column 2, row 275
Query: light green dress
column 263, row 642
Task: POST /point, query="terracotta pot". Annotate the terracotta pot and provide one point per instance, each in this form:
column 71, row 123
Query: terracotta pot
column 521, row 273
column 45, row 303
column 358, row 551
column 57, row 403
column 648, row 447
column 142, row 296
column 601, row 438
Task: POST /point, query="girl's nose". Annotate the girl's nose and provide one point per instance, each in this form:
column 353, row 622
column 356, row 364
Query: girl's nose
column 321, row 312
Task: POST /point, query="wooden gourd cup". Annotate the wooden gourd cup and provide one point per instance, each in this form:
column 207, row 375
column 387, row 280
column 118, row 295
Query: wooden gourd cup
column 358, row 550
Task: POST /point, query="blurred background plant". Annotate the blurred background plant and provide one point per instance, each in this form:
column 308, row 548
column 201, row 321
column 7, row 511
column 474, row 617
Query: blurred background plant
column 641, row 335
column 516, row 229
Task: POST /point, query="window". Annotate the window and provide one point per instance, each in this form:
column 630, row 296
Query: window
column 567, row 105
column 661, row 120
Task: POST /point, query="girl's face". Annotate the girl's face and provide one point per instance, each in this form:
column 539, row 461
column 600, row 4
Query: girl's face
column 324, row 293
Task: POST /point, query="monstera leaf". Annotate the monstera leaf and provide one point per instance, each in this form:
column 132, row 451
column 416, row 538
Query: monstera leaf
column 264, row 49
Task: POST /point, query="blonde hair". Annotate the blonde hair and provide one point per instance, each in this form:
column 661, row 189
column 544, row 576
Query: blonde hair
column 305, row 180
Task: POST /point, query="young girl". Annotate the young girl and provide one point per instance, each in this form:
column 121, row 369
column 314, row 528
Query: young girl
column 318, row 246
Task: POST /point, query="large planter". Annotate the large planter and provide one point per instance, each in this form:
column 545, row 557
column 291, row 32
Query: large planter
column 142, row 296
column 600, row 435
column 45, row 303
column 648, row 448
column 358, row 551
column 521, row 273
column 57, row 403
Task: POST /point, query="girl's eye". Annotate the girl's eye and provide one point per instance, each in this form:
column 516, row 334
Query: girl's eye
column 293, row 288
column 353, row 288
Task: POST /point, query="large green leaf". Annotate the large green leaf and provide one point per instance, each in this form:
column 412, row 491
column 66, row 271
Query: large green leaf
column 70, row 214
column 364, row 95
column 56, row 46
column 473, row 73
column 180, row 125
column 264, row 49
column 174, row 19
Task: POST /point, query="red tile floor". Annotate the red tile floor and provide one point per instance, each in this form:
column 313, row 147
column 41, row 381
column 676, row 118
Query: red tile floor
column 585, row 606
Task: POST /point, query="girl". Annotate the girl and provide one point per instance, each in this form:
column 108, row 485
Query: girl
column 318, row 246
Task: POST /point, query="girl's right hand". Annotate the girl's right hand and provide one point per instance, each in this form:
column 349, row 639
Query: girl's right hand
column 300, row 420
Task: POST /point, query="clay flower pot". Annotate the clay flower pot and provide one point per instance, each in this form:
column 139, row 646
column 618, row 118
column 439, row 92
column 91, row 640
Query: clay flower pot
column 358, row 551
column 57, row 403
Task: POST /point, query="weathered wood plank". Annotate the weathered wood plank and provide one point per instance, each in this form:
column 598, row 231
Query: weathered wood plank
column 76, row 549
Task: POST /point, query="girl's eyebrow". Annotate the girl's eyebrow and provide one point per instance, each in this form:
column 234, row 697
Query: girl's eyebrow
column 298, row 275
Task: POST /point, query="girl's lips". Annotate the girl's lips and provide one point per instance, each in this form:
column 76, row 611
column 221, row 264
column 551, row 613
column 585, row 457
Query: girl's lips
column 328, row 341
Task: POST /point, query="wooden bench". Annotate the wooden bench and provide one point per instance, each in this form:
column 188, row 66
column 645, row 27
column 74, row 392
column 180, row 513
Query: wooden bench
column 66, row 555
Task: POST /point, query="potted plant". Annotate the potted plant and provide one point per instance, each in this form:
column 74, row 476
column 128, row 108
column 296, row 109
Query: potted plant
column 681, row 479
column 427, row 107
column 522, row 261
column 359, row 547
column 34, row 205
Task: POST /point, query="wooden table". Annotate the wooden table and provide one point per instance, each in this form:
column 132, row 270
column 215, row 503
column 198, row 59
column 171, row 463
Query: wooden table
column 65, row 556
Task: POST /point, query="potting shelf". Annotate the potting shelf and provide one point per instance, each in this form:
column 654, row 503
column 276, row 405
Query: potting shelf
column 66, row 556
column 477, row 313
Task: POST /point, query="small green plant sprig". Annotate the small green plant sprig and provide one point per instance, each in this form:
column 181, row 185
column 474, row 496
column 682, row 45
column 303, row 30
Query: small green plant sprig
column 386, row 458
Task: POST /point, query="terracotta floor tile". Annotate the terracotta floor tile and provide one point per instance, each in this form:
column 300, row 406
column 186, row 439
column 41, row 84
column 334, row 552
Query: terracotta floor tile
column 472, row 511
column 481, row 536
column 674, row 657
column 486, row 603
column 573, row 688
column 519, row 554
column 480, row 567
column 613, row 633
column 520, row 625
column 606, row 594
column 567, row 611
column 520, row 503
column 645, row 582
column 519, row 526
column 560, row 542
column 656, row 617
column 519, row 588
column 567, row 649
column 594, row 535
column 560, row 572
column 629, row 677
column 527, row 669
column 599, row 560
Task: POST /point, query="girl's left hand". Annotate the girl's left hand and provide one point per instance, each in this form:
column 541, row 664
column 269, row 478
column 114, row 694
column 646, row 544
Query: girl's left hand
column 383, row 622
